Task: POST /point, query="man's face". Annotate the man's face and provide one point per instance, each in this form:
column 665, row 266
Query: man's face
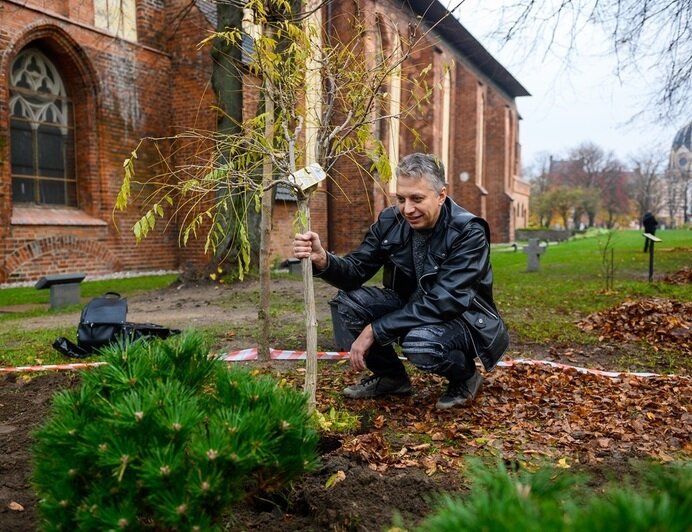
column 418, row 202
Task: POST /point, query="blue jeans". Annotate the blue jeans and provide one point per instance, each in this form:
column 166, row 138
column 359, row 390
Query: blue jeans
column 443, row 349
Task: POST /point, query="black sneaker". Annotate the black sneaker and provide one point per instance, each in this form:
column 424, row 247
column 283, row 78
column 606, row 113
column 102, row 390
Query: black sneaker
column 460, row 392
column 374, row 386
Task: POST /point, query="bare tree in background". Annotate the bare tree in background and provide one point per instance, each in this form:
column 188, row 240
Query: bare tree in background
column 590, row 181
column 647, row 186
column 597, row 170
column 562, row 201
column 537, row 171
column 642, row 33
column 614, row 194
column 538, row 175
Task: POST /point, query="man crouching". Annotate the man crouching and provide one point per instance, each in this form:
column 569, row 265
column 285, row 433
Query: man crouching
column 437, row 299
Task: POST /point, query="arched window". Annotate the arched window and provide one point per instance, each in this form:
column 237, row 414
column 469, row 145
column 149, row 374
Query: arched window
column 41, row 133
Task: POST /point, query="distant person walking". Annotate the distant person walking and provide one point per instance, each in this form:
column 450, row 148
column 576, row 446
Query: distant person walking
column 650, row 224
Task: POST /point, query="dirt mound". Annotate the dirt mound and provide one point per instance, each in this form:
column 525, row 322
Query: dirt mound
column 663, row 323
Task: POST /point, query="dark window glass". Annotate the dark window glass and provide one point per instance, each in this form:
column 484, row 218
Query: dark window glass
column 52, row 192
column 21, row 140
column 51, row 156
column 22, row 190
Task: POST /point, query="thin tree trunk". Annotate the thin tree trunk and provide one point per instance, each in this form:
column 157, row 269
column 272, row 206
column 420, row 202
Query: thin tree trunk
column 263, row 313
column 310, row 312
column 303, row 225
column 313, row 99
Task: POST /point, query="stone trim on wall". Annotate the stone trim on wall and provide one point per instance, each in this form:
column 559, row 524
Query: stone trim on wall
column 102, row 258
column 32, row 215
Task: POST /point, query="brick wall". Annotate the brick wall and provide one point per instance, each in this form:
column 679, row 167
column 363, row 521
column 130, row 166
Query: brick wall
column 497, row 167
column 283, row 224
column 192, row 103
column 121, row 91
column 464, row 144
column 355, row 202
column 350, row 204
column 348, row 199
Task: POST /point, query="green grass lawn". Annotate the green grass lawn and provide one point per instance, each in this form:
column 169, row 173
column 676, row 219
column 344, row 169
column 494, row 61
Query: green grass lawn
column 88, row 289
column 539, row 307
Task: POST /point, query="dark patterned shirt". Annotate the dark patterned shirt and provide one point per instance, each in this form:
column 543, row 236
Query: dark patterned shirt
column 419, row 250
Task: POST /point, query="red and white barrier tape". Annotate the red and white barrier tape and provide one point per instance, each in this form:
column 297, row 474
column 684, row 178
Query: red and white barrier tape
column 279, row 354
column 283, row 354
column 612, row 374
column 51, row 367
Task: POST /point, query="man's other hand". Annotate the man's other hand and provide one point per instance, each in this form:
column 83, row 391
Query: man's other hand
column 359, row 348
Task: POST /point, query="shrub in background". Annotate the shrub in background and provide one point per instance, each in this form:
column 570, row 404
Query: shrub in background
column 163, row 437
column 503, row 501
column 554, row 500
column 662, row 501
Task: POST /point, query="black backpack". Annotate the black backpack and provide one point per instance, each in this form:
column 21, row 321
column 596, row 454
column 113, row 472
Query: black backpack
column 104, row 322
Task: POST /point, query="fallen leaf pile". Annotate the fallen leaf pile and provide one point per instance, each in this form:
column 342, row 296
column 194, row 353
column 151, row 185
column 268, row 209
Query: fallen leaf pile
column 524, row 413
column 663, row 323
column 683, row 276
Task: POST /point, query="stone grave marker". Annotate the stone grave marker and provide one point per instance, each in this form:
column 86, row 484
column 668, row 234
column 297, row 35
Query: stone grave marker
column 533, row 252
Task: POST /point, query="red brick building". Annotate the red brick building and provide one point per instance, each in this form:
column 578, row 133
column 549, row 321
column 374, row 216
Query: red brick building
column 82, row 83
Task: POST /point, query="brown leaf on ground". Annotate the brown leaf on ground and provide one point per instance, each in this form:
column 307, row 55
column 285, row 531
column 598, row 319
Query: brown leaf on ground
column 524, row 414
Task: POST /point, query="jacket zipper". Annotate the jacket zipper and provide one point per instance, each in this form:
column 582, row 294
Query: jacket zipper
column 420, row 284
column 484, row 308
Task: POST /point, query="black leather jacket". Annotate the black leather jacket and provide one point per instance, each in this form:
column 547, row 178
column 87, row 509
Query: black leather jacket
column 457, row 268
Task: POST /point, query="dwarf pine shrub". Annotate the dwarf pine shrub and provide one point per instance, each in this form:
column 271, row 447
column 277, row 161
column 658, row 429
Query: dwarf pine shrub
column 553, row 500
column 162, row 437
column 660, row 501
column 502, row 501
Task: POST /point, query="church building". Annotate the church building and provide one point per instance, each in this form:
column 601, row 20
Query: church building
column 83, row 81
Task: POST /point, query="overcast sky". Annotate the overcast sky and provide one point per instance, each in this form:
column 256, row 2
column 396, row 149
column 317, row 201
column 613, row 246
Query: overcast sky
column 575, row 103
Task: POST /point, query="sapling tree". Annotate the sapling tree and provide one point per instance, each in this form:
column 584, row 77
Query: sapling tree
column 607, row 262
column 322, row 99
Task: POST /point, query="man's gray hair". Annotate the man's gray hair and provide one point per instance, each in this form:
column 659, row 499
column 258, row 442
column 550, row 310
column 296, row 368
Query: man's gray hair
column 423, row 165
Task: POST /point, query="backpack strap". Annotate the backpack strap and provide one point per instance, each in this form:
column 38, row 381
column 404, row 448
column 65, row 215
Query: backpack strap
column 70, row 349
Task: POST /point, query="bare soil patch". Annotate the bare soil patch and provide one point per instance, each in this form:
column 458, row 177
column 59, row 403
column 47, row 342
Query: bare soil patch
column 404, row 451
column 182, row 305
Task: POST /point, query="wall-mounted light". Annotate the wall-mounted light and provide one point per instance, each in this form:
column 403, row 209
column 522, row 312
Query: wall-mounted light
column 464, row 177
